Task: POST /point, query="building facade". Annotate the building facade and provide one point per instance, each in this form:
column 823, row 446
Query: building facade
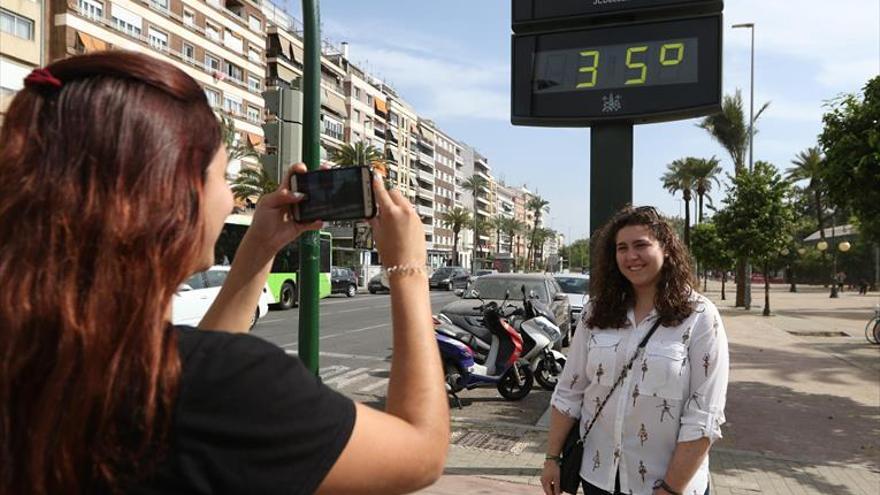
column 22, row 45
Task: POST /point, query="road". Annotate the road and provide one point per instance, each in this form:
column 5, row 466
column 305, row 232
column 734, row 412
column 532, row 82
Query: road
column 355, row 356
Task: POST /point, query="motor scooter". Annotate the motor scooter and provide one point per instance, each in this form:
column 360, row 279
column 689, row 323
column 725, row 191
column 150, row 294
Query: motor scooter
column 503, row 368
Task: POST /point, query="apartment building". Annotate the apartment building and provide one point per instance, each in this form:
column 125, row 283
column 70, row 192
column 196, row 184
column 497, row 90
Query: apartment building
column 22, row 45
column 444, row 191
column 505, row 197
column 220, row 43
column 401, row 142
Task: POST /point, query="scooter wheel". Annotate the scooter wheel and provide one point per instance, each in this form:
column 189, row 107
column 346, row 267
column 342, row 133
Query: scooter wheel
column 512, row 389
column 545, row 376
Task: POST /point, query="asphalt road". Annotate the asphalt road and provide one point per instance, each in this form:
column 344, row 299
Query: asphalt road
column 355, row 356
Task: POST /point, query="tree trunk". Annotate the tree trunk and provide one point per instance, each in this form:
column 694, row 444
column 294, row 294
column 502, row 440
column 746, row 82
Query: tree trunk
column 723, row 280
column 705, row 281
column 687, row 221
column 766, row 289
column 819, row 214
column 455, row 260
column 700, row 214
column 792, row 285
column 740, row 283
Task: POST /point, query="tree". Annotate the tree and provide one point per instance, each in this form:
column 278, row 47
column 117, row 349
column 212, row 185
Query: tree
column 851, row 141
column 236, row 149
column 712, row 251
column 357, row 155
column 455, row 219
column 475, row 185
column 511, row 227
column 537, row 205
column 704, row 172
column 808, row 166
column 540, row 235
column 577, row 253
column 757, row 218
column 731, row 130
column 679, row 178
column 252, row 182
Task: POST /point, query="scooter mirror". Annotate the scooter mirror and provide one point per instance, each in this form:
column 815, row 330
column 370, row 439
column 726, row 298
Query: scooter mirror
column 533, row 294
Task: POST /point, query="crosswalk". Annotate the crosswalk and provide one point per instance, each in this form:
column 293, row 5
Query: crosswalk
column 371, row 381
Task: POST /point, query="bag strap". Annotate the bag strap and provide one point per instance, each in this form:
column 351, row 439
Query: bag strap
column 623, row 374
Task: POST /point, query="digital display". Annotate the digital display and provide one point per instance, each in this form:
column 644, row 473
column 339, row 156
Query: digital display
column 650, row 71
column 334, row 194
column 537, row 10
column 617, row 66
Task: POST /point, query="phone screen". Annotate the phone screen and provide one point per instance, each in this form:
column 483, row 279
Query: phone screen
column 343, row 193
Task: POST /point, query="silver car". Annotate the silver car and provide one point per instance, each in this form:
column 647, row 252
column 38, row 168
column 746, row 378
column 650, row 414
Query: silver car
column 577, row 288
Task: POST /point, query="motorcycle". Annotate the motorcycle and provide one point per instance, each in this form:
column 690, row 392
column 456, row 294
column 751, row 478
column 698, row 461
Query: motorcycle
column 539, row 332
column 503, row 367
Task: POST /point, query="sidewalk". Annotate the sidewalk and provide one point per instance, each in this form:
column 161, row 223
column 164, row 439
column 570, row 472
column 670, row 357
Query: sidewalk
column 803, row 408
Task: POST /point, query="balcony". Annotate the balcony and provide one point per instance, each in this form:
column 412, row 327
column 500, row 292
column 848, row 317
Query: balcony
column 426, row 176
column 425, row 211
column 482, row 174
column 429, row 229
column 482, row 199
column 426, row 159
column 425, row 194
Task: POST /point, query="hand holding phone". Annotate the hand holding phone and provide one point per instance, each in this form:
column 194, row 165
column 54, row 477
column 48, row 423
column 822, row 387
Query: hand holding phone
column 342, row 193
column 398, row 231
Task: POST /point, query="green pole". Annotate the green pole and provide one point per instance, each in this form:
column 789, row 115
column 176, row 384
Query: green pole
column 309, row 244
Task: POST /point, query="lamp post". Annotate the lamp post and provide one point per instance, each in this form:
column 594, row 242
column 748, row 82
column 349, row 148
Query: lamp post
column 751, row 26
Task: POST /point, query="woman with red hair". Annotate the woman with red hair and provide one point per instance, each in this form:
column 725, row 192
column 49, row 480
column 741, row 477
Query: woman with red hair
column 112, row 192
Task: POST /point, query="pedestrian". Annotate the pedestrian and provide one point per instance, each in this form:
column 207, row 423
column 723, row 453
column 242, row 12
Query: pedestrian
column 841, row 280
column 664, row 403
column 113, row 192
column 863, row 286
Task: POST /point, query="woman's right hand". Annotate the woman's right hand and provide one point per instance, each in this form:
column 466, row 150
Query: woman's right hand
column 550, row 478
column 397, row 229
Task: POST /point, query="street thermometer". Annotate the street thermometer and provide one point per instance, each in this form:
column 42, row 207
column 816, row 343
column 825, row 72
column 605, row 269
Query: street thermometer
column 610, row 64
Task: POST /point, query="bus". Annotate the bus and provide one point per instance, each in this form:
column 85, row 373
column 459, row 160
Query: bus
column 283, row 275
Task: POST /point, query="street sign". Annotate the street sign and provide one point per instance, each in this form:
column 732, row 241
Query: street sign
column 637, row 72
column 533, row 14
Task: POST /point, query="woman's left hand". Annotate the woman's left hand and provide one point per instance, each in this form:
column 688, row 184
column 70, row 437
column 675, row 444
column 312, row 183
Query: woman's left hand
column 273, row 226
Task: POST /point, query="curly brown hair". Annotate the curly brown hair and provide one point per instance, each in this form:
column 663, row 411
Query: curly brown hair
column 611, row 294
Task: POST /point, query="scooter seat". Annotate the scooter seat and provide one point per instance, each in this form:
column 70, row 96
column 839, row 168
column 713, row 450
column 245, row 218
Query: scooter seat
column 464, row 336
column 472, row 325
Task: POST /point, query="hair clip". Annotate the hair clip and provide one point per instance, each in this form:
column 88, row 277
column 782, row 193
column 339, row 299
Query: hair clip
column 41, row 78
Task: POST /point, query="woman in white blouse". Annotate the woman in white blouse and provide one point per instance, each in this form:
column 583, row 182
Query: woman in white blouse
column 654, row 433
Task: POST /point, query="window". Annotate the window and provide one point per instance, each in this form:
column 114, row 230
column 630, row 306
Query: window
column 212, row 31
column 160, row 5
column 197, row 281
column 357, row 93
column 212, row 63
column 127, row 21
column 254, row 84
column 232, row 104
column 189, row 52
column 253, row 114
column 254, row 23
column 91, row 8
column 189, row 17
column 232, row 41
column 16, row 25
column 158, row 39
column 216, row 277
column 234, row 71
column 254, row 55
column 213, row 97
column 357, row 116
column 369, row 100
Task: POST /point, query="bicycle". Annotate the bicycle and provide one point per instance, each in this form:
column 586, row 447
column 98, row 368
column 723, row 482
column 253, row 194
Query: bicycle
column 872, row 329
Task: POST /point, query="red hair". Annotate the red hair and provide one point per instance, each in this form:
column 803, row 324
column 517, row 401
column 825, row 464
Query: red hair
column 100, row 214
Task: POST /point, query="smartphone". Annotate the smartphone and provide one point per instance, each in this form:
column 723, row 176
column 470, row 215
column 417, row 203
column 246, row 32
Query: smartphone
column 342, row 193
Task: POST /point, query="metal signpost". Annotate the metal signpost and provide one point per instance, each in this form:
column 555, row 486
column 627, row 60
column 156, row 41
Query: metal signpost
column 609, row 65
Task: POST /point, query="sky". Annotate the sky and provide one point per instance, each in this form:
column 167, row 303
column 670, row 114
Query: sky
column 450, row 59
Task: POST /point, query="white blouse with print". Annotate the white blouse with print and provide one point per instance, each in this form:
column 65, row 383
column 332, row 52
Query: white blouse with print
column 674, row 393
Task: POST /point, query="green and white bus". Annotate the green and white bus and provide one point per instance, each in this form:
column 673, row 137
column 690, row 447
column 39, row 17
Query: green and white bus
column 283, row 276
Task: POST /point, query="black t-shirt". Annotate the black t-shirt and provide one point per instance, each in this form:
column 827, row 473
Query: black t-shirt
column 248, row 419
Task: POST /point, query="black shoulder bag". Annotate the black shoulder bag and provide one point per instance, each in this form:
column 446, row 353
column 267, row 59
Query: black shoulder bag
column 573, row 448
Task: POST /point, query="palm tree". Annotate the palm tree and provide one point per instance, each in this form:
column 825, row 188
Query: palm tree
column 679, row 178
column 808, row 166
column 455, row 219
column 538, row 206
column 357, row 155
column 252, row 182
column 704, row 172
column 236, row 149
column 511, row 228
column 475, row 185
column 730, row 128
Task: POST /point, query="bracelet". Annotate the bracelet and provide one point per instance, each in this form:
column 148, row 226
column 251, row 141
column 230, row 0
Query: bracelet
column 555, row 458
column 665, row 487
column 387, row 272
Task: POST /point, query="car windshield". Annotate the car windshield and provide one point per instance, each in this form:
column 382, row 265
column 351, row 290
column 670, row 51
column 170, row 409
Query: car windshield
column 445, row 271
column 574, row 285
column 484, row 272
column 494, row 288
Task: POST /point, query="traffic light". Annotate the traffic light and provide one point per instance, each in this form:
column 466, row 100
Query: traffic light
column 283, row 131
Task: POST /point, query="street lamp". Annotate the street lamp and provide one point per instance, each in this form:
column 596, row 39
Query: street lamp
column 751, row 26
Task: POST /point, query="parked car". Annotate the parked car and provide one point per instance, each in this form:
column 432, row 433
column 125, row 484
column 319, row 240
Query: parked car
column 343, row 281
column 449, row 278
column 494, row 287
column 577, row 288
column 375, row 285
column 197, row 293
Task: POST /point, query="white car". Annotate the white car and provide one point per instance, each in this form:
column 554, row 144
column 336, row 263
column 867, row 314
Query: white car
column 577, row 287
column 197, row 293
